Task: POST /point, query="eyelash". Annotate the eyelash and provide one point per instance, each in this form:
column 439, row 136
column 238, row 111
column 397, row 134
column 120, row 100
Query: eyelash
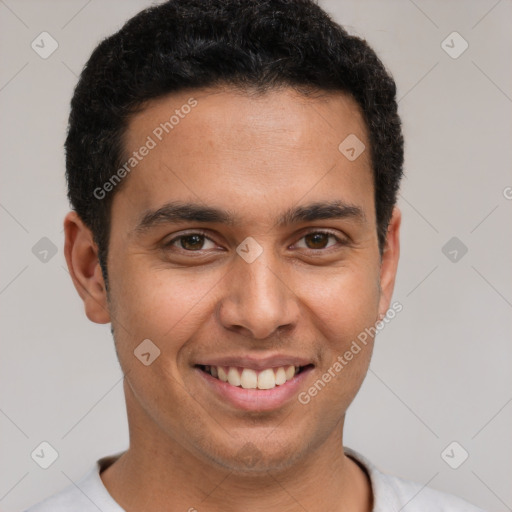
column 170, row 243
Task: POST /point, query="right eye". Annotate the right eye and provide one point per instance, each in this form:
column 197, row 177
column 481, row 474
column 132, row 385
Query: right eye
column 189, row 242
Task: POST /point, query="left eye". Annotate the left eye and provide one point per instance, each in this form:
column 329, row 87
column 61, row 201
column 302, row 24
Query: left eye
column 319, row 240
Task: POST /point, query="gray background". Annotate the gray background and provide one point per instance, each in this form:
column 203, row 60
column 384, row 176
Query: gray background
column 441, row 369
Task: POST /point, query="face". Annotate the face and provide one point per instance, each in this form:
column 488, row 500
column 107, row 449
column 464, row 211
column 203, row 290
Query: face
column 244, row 246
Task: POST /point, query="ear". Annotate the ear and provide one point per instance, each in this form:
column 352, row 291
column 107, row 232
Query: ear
column 82, row 258
column 389, row 261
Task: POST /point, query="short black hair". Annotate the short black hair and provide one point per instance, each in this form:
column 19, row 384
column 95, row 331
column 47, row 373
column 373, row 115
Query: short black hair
column 245, row 44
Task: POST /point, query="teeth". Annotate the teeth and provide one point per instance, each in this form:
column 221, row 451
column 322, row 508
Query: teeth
column 267, row 379
column 234, row 377
column 280, row 376
column 290, row 372
column 223, row 376
column 247, row 378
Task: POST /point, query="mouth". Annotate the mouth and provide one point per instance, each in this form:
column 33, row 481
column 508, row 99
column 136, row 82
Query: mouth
column 249, row 378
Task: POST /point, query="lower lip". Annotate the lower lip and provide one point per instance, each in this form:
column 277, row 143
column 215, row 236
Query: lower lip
column 256, row 399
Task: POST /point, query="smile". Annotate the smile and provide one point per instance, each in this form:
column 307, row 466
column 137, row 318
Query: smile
column 247, row 378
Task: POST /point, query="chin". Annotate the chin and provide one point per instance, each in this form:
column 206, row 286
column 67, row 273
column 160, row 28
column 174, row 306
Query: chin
column 258, row 456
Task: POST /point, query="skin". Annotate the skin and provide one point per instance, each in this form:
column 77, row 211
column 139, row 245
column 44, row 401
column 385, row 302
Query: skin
column 256, row 155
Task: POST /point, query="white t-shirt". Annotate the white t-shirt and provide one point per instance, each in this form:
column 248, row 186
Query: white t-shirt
column 390, row 494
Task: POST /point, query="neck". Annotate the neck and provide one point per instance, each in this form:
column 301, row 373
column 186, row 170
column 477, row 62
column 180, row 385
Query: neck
column 156, row 470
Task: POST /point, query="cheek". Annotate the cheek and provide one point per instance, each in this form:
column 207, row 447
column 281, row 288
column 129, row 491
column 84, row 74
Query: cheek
column 344, row 303
column 345, row 310
column 160, row 303
column 165, row 307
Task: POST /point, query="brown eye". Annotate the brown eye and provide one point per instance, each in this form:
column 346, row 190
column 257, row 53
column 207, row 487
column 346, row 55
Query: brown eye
column 317, row 240
column 192, row 242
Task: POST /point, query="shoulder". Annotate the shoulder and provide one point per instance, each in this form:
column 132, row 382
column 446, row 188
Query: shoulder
column 419, row 498
column 87, row 495
column 69, row 499
column 392, row 493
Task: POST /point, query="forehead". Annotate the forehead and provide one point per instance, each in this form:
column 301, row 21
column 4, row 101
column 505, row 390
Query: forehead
column 242, row 119
column 221, row 145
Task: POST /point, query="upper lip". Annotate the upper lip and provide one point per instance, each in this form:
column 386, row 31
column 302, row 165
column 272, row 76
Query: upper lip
column 256, row 363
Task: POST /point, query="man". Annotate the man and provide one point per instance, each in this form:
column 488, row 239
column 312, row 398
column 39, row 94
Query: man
column 233, row 168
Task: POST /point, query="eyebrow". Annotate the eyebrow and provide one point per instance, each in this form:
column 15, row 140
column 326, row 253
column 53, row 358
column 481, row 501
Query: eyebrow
column 176, row 211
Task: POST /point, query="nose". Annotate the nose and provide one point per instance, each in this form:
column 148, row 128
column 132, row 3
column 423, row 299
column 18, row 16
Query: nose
column 258, row 300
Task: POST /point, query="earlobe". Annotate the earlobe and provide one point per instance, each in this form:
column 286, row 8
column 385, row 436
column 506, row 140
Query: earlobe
column 82, row 258
column 389, row 263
